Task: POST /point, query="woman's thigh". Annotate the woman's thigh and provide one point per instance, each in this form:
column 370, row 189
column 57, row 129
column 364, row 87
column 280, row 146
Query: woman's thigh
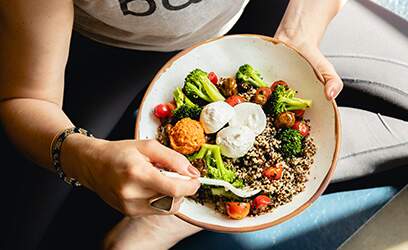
column 371, row 56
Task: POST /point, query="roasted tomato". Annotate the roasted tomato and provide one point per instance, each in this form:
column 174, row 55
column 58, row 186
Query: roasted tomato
column 280, row 82
column 274, row 172
column 163, row 110
column 213, row 77
column 261, row 201
column 264, row 91
column 285, row 120
column 299, row 113
column 228, row 86
column 259, row 99
column 237, row 210
column 234, row 100
column 302, row 127
column 261, row 96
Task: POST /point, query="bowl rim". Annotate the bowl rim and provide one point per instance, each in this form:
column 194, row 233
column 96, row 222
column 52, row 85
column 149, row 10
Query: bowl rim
column 297, row 211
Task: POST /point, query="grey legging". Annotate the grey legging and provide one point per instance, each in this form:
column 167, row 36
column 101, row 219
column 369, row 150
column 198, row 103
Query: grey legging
column 369, row 48
column 102, row 81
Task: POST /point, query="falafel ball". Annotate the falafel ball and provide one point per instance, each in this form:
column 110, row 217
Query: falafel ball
column 187, row 136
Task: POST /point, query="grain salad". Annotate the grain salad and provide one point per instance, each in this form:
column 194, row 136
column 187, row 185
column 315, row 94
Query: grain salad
column 243, row 131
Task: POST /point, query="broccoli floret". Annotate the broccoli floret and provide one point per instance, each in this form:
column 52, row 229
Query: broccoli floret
column 197, row 86
column 291, row 142
column 246, row 73
column 184, row 107
column 216, row 168
column 283, row 99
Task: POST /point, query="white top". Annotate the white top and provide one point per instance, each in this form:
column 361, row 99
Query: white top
column 155, row 25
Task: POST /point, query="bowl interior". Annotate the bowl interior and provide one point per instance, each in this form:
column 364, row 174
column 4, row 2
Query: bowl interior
column 275, row 61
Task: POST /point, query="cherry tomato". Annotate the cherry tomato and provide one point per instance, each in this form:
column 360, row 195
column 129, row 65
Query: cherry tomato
column 213, row 77
column 234, row 100
column 275, row 172
column 237, row 210
column 261, row 201
column 302, row 127
column 299, row 113
column 280, row 82
column 162, row 111
column 264, row 91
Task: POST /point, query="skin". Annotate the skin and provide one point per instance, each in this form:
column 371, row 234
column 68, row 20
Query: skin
column 31, row 92
column 303, row 27
column 35, row 39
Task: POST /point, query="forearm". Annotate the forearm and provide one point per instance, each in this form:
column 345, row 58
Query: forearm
column 35, row 39
column 31, row 124
column 305, row 21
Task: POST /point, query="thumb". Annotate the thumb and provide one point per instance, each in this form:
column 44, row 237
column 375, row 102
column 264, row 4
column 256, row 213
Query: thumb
column 333, row 82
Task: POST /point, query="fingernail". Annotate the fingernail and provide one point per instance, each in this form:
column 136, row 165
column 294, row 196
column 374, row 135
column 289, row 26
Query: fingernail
column 332, row 94
column 193, row 171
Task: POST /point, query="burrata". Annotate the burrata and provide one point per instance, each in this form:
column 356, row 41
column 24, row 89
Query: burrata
column 235, row 142
column 216, row 115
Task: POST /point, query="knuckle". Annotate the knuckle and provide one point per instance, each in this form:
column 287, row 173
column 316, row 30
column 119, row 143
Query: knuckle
column 175, row 190
column 124, row 193
column 131, row 171
column 195, row 185
column 180, row 158
column 151, row 143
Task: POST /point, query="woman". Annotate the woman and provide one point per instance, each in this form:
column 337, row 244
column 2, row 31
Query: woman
column 37, row 37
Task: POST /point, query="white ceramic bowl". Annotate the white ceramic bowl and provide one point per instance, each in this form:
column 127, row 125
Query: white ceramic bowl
column 275, row 61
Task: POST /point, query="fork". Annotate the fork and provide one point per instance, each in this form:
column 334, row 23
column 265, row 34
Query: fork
column 244, row 193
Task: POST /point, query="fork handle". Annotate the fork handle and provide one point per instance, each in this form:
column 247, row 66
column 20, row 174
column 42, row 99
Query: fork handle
column 174, row 175
column 203, row 180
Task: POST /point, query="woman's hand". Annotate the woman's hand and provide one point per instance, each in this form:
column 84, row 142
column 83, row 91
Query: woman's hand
column 302, row 27
column 333, row 82
column 124, row 173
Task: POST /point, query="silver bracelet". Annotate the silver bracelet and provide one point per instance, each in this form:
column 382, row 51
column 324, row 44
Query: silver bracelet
column 55, row 152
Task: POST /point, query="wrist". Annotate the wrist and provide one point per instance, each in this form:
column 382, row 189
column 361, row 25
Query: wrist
column 294, row 39
column 302, row 45
column 305, row 21
column 77, row 152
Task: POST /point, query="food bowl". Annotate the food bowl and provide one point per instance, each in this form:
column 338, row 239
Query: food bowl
column 276, row 61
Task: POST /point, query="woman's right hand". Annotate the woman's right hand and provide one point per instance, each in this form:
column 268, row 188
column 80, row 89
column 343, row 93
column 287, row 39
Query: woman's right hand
column 124, row 173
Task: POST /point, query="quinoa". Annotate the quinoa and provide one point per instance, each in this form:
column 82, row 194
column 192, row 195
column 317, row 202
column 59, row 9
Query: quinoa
column 264, row 153
column 248, row 92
